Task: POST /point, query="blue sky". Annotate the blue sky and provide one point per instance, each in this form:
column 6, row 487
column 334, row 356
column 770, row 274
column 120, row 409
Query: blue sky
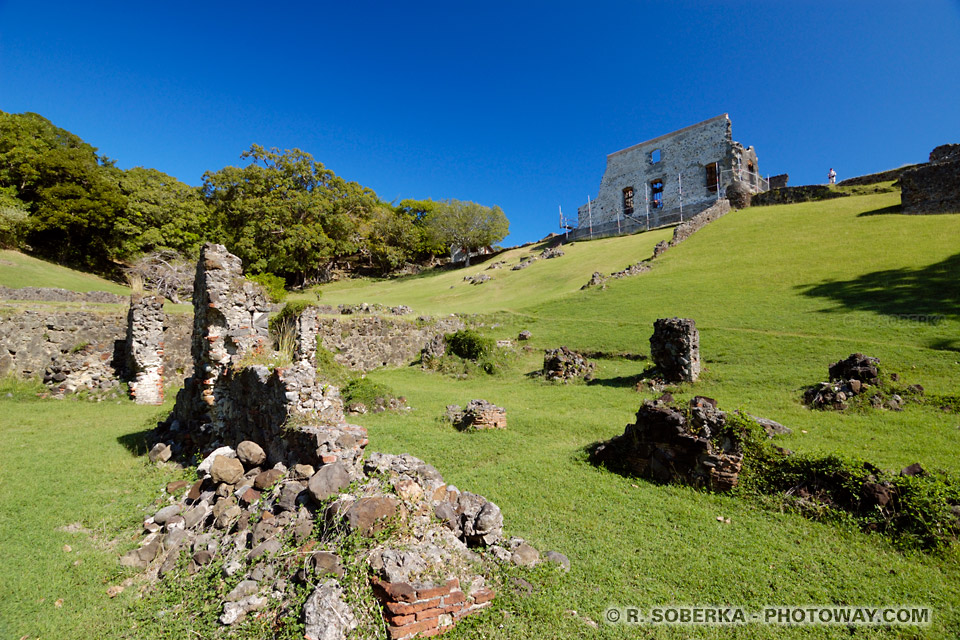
column 515, row 104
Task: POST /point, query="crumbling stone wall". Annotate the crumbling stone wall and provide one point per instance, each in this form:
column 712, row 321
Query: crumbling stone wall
column 368, row 342
column 74, row 351
column 934, row 187
column 53, row 294
column 297, row 416
column 691, row 226
column 675, row 349
column 145, row 348
column 669, row 444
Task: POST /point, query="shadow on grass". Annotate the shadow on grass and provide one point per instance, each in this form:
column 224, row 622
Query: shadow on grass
column 945, row 345
column 911, row 294
column 135, row 443
column 617, row 382
column 893, row 209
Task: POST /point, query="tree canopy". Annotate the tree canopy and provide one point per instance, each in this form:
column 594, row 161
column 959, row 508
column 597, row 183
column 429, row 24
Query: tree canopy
column 469, row 225
column 283, row 212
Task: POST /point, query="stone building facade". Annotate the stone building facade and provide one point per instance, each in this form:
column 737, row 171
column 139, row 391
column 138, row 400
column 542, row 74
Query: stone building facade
column 668, row 179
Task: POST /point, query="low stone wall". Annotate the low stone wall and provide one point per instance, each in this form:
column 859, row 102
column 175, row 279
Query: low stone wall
column 715, row 211
column 52, row 294
column 789, row 195
column 368, row 342
column 874, row 178
column 931, row 188
column 82, row 350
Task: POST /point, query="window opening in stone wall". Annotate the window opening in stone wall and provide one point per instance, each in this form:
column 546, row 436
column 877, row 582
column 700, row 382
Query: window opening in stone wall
column 656, row 194
column 655, row 156
column 712, row 177
column 751, row 173
column 628, row 201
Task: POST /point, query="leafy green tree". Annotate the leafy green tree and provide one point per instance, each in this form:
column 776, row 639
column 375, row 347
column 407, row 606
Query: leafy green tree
column 285, row 213
column 77, row 214
column 468, row 225
column 167, row 213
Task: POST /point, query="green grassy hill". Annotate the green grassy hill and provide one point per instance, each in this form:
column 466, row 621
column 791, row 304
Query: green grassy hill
column 19, row 270
column 778, row 294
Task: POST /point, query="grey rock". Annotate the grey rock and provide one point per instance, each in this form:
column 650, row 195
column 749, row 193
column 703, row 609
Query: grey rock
column 329, row 481
column 265, row 548
column 251, row 454
column 140, row 558
column 203, row 469
column 288, row 496
column 525, row 556
column 226, row 470
column 366, row 514
column 160, row 452
column 236, row 611
column 165, row 513
column 326, row 615
column 558, row 558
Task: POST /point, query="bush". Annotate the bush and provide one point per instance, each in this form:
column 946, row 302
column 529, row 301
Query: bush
column 275, row 286
column 469, row 345
column 366, row 391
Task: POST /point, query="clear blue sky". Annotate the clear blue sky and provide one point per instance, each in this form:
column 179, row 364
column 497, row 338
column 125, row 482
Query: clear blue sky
column 515, row 104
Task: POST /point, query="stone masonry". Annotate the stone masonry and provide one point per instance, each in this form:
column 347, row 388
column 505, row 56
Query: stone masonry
column 646, row 185
column 673, row 444
column 294, row 415
column 933, row 187
column 675, row 349
column 145, row 348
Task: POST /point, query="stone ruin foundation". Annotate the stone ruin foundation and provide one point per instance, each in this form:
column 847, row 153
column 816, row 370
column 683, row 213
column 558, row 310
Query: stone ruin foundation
column 145, row 348
column 854, row 378
column 478, row 414
column 281, row 464
column 689, row 445
column 675, row 349
column 933, row 187
column 565, row 365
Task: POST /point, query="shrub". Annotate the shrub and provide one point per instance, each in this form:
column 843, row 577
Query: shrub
column 469, row 345
column 275, row 286
column 366, row 391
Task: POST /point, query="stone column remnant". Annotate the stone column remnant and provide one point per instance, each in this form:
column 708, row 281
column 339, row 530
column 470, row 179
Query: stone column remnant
column 145, row 348
column 305, row 341
column 675, row 348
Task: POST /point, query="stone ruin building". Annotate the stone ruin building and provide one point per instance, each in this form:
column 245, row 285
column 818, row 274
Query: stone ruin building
column 145, row 348
column 933, row 187
column 669, row 179
column 281, row 463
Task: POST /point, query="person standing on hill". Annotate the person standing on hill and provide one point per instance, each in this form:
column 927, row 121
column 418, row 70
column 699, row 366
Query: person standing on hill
column 832, row 176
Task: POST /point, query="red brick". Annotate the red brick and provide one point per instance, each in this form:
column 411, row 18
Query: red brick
column 455, row 597
column 399, row 621
column 328, row 458
column 483, row 595
column 426, row 614
column 436, row 632
column 402, row 609
column 453, row 583
column 410, row 629
column 432, row 592
column 399, row 591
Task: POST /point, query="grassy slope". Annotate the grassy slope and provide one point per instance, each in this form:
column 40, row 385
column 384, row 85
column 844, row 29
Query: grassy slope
column 777, row 292
column 19, row 270
column 446, row 292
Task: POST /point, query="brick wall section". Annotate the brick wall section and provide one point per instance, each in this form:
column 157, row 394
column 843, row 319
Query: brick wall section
column 145, row 348
column 418, row 611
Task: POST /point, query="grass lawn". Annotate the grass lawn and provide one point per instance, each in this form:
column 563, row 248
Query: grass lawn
column 778, row 294
column 20, row 270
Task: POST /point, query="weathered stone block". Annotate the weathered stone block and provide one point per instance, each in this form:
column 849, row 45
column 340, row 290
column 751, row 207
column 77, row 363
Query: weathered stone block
column 675, row 349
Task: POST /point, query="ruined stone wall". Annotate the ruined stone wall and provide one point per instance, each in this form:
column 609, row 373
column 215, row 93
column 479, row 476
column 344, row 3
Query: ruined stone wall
column 934, row 187
column 684, row 153
column 367, row 342
column 145, row 348
column 82, row 350
column 708, row 215
column 296, row 416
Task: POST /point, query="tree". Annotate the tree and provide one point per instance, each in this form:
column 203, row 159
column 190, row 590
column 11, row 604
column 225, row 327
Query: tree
column 77, row 214
column 169, row 214
column 468, row 225
column 286, row 214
